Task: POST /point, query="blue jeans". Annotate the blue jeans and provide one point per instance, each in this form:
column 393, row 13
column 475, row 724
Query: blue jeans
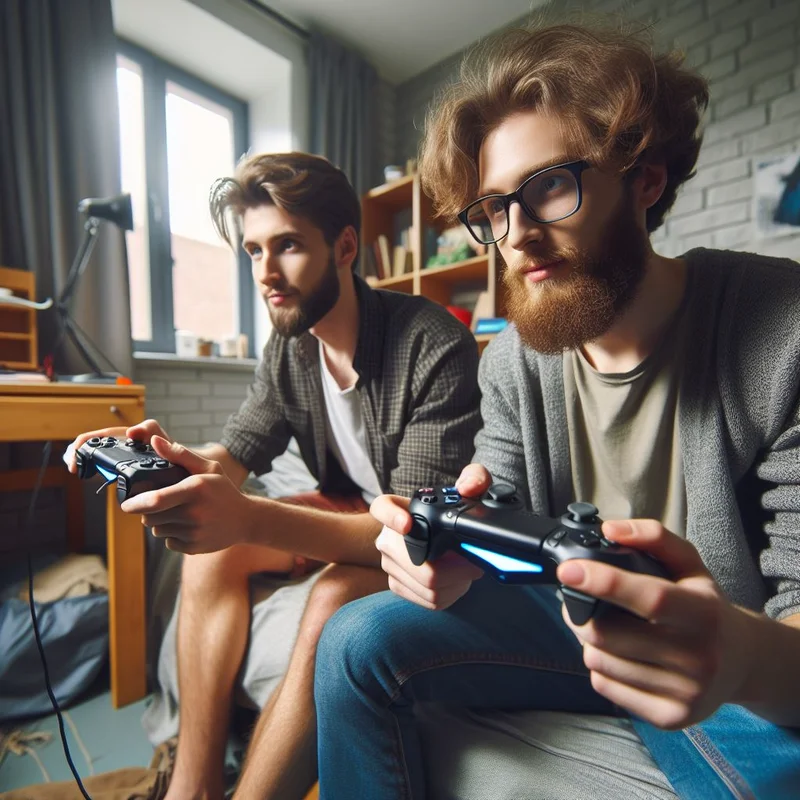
column 501, row 647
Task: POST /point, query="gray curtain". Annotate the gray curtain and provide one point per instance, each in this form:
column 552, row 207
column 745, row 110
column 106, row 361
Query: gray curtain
column 342, row 115
column 59, row 143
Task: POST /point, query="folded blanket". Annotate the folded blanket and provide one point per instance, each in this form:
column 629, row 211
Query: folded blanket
column 72, row 576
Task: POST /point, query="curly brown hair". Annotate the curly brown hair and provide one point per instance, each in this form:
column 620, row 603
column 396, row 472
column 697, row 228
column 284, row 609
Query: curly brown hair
column 616, row 102
column 302, row 184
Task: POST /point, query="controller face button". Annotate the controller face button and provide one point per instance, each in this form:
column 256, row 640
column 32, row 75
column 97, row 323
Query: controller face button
column 451, row 499
column 450, row 490
column 162, row 462
column 428, row 490
column 429, row 498
column 147, row 462
column 585, row 539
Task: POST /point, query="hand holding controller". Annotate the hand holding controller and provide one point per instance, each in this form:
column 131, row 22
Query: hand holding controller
column 134, row 465
column 516, row 546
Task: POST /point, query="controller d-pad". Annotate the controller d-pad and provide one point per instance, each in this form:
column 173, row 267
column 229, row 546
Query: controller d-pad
column 108, row 441
column 94, row 441
column 429, row 498
column 147, row 462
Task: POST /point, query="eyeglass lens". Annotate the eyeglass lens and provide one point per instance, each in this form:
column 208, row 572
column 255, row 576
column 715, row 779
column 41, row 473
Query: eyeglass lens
column 546, row 197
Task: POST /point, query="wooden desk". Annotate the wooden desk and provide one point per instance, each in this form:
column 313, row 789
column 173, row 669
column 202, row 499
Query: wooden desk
column 59, row 412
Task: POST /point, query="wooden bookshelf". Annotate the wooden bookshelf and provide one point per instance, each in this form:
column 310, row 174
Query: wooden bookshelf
column 379, row 209
column 18, row 340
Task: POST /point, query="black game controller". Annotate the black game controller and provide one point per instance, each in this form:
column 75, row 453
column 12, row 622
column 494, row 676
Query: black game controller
column 134, row 465
column 514, row 545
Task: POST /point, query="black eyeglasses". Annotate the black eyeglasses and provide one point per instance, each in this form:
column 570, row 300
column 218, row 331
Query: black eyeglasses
column 550, row 195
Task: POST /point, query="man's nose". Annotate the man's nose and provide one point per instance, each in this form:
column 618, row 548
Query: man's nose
column 522, row 230
column 266, row 270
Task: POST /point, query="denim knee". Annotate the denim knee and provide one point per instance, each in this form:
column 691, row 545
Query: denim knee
column 355, row 648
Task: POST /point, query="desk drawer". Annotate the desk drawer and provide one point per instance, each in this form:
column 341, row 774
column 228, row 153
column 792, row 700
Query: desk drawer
column 40, row 418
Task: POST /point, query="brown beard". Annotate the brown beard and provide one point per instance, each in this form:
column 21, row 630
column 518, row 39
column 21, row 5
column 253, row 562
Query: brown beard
column 311, row 308
column 564, row 314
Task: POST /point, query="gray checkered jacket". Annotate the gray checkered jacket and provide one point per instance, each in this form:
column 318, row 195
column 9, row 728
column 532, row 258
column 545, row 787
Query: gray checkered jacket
column 417, row 380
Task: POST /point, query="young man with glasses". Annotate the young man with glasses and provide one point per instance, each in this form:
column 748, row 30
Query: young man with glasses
column 378, row 388
column 664, row 391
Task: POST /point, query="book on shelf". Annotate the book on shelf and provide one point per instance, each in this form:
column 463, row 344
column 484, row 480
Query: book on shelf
column 401, row 263
column 490, row 325
column 376, row 260
column 385, row 255
column 483, row 309
column 22, row 376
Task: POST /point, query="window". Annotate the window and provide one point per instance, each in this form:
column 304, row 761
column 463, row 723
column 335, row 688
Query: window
column 177, row 136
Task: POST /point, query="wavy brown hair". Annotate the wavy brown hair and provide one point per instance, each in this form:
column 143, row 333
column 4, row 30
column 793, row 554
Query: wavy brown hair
column 299, row 183
column 615, row 101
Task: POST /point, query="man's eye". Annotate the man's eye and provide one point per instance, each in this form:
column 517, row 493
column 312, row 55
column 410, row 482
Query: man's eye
column 287, row 244
column 254, row 252
column 494, row 206
column 552, row 182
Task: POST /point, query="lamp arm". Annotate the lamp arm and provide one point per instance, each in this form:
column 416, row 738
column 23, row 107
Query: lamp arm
column 79, row 263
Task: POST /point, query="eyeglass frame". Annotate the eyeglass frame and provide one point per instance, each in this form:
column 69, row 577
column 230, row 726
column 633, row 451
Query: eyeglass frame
column 576, row 168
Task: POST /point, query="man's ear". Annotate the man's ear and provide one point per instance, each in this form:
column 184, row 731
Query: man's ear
column 345, row 247
column 649, row 184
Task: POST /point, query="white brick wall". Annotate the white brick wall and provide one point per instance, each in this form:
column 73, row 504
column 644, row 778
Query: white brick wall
column 750, row 51
column 192, row 400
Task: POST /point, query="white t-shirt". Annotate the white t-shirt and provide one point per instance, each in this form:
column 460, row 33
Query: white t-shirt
column 344, row 429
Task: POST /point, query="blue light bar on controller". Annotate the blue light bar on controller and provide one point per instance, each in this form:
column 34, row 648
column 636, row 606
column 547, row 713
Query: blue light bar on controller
column 503, row 563
column 109, row 476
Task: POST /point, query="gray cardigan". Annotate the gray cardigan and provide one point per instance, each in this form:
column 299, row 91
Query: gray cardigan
column 738, row 417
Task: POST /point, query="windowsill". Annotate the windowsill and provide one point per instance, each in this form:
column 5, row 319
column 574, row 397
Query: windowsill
column 170, row 359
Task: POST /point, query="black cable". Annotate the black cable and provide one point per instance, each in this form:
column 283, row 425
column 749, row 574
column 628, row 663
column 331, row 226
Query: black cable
column 37, row 635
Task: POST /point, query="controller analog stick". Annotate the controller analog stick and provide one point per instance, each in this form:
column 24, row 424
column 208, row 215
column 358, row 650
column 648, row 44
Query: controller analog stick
column 582, row 512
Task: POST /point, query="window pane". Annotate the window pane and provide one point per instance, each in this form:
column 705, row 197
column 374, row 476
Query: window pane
column 134, row 180
column 204, row 277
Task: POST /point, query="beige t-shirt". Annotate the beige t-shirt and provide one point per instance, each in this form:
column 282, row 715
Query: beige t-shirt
column 623, row 434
